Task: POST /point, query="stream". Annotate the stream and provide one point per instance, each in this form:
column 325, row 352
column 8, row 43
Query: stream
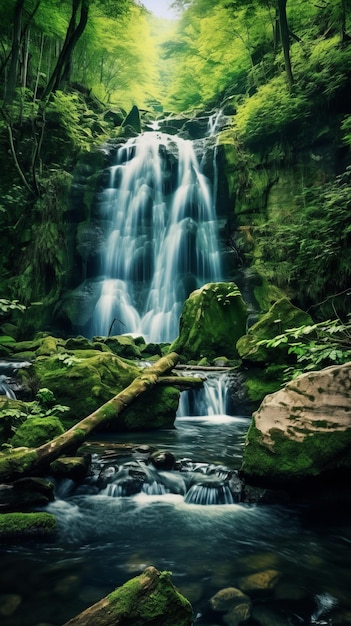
column 106, row 538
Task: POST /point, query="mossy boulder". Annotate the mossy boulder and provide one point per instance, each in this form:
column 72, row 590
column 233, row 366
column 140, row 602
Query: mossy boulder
column 302, row 431
column 14, row 526
column 84, row 380
column 150, row 598
column 212, row 320
column 281, row 316
column 37, row 430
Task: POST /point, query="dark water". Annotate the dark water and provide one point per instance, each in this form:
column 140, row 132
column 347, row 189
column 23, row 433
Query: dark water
column 103, row 541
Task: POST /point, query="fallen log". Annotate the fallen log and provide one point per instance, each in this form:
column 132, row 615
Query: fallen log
column 182, row 382
column 25, row 461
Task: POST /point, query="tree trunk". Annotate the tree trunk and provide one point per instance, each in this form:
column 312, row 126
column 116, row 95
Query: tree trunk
column 15, row 52
column 74, row 32
column 15, row 464
column 284, row 37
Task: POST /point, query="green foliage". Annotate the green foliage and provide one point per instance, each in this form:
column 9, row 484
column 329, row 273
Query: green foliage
column 270, row 111
column 6, row 306
column 315, row 346
column 308, row 252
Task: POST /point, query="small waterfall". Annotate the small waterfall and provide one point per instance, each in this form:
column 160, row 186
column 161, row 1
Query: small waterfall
column 8, row 383
column 212, row 399
column 162, row 237
column 195, row 483
column 208, row 494
column 5, row 388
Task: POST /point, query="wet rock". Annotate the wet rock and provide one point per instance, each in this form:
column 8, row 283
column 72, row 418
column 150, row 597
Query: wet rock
column 67, row 587
column 238, row 615
column 260, row 581
column 9, row 602
column 226, row 599
column 26, row 493
column 259, row 561
column 70, row 467
column 163, row 460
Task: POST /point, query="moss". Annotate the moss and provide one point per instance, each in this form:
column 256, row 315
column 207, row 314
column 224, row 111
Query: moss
column 281, row 316
column 36, row 431
column 212, row 320
column 262, row 381
column 20, row 525
column 156, row 409
column 162, row 605
column 288, row 461
column 15, row 463
column 82, row 380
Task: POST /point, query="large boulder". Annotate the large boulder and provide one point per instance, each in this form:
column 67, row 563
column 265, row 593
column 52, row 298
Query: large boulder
column 303, row 430
column 212, row 320
column 149, row 598
column 84, row 380
column 281, row 316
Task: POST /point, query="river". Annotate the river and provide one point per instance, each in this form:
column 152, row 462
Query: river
column 105, row 539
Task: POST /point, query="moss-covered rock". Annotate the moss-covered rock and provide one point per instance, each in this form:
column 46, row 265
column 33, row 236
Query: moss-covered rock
column 150, row 598
column 84, row 380
column 74, row 468
column 26, row 525
column 303, row 430
column 281, row 316
column 212, row 320
column 37, row 430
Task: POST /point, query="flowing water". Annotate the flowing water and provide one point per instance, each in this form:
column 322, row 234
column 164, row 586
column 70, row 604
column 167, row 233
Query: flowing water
column 189, row 520
column 161, row 240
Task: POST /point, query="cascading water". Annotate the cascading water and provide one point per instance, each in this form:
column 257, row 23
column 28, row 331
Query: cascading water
column 211, row 399
column 162, row 241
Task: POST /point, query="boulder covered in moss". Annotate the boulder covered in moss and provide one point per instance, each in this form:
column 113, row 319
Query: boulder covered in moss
column 302, row 431
column 281, row 316
column 212, row 320
column 37, row 430
column 15, row 526
column 84, row 380
column 150, row 598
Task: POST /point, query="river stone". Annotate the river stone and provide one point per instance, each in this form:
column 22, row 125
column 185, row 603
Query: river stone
column 74, row 468
column 239, row 614
column 259, row 561
column 260, row 581
column 212, row 320
column 281, row 316
column 226, row 599
column 302, row 430
column 9, row 602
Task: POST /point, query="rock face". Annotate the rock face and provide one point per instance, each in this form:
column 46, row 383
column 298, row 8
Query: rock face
column 212, row 320
column 303, row 430
column 149, row 598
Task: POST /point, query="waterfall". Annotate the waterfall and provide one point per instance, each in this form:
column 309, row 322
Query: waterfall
column 161, row 237
column 209, row 400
